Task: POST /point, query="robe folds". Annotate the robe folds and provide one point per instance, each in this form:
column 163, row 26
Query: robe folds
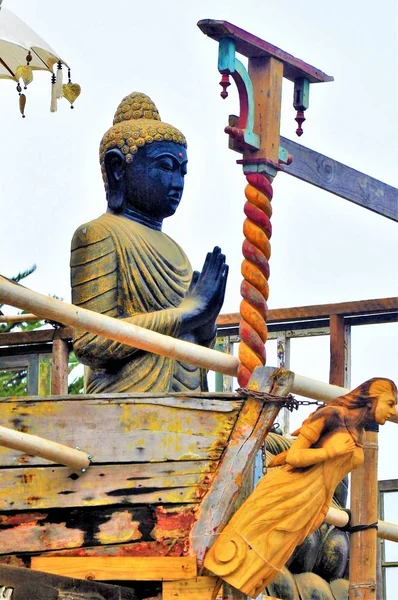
column 126, row 270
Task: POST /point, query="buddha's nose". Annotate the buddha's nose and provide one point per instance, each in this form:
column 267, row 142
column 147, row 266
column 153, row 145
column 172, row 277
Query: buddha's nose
column 178, row 180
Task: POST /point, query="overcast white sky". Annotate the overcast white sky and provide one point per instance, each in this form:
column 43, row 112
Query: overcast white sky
column 324, row 249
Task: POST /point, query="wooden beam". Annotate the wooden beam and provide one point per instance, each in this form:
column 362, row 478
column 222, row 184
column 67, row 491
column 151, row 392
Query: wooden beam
column 252, row 46
column 341, row 180
column 318, row 311
column 360, row 307
column 108, row 568
column 32, row 585
column 388, row 485
column 41, row 336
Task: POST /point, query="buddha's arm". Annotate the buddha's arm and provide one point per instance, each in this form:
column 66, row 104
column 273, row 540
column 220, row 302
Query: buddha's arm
column 94, row 277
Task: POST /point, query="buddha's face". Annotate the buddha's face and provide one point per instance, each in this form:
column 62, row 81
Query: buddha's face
column 154, row 181
column 385, row 406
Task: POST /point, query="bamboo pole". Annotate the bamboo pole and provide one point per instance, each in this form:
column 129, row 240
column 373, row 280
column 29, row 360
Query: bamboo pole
column 38, row 446
column 145, row 339
column 340, row 518
column 27, row 318
column 116, row 329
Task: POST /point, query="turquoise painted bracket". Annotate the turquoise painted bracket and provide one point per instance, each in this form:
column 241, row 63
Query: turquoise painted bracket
column 228, row 64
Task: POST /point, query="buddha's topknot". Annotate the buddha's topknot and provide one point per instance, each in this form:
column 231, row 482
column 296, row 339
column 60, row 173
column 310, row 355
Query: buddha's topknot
column 136, row 106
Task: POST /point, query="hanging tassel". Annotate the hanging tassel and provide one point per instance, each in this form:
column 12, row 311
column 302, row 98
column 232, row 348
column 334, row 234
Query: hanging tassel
column 22, row 100
column 22, row 103
column 58, row 83
column 53, row 107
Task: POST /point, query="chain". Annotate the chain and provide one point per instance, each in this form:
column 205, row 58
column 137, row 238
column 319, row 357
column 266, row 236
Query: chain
column 289, row 401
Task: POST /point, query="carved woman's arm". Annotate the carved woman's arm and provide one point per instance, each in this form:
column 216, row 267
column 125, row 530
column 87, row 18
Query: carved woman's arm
column 302, row 454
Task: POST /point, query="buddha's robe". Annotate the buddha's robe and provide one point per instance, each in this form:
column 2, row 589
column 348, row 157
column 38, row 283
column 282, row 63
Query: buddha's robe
column 126, row 270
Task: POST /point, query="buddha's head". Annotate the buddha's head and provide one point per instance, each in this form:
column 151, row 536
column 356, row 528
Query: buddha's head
column 143, row 162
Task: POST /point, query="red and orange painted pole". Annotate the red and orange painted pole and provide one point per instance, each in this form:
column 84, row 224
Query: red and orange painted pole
column 254, row 289
column 255, row 134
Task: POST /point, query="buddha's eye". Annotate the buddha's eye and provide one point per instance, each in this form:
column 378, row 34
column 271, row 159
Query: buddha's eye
column 166, row 165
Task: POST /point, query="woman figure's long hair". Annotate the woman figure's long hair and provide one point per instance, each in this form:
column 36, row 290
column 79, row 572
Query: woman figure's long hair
column 358, row 398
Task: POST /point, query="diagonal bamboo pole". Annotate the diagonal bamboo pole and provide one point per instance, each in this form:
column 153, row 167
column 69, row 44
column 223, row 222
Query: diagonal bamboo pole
column 38, row 446
column 144, row 339
column 26, row 318
column 340, row 518
column 115, row 329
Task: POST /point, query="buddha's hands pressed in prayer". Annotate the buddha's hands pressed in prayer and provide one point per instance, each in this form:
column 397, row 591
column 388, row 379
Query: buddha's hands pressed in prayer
column 205, row 297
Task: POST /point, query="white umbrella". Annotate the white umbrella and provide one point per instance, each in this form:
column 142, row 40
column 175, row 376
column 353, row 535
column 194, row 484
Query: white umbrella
column 22, row 51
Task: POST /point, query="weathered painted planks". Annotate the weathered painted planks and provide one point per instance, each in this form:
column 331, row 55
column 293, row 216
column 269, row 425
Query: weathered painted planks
column 47, row 487
column 127, row 429
column 139, row 530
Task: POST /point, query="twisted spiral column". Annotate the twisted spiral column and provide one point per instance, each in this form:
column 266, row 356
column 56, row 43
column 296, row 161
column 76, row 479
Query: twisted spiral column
column 254, row 289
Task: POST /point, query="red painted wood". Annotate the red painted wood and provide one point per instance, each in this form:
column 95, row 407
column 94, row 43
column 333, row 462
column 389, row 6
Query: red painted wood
column 252, row 46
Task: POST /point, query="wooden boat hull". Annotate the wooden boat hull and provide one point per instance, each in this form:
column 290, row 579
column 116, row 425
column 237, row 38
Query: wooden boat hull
column 154, row 459
column 165, row 474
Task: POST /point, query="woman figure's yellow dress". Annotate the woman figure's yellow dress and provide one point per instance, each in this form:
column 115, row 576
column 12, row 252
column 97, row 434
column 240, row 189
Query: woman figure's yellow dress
column 286, row 506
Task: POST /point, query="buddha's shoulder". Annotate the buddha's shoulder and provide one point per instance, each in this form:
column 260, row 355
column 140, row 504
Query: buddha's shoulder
column 93, row 232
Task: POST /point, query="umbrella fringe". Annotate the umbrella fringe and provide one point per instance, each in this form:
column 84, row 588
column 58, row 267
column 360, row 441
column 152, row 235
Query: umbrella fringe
column 53, row 106
column 58, row 84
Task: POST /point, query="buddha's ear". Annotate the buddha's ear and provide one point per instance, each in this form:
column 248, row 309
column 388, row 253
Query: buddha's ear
column 115, row 165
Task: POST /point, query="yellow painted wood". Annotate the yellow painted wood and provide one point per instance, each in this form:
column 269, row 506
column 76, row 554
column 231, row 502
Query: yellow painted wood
column 125, row 430
column 47, row 487
column 203, row 588
column 106, row 568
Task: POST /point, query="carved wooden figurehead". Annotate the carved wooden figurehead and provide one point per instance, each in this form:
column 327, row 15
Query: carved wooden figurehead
column 290, row 502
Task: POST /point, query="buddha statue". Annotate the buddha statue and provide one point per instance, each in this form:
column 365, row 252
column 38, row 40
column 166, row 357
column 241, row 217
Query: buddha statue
column 124, row 266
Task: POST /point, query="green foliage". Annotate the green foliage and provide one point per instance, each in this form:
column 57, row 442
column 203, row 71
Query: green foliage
column 6, row 327
column 77, row 385
column 13, row 381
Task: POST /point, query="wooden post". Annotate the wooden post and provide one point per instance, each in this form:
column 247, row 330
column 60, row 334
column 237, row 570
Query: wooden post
column 266, row 74
column 339, row 351
column 363, row 544
column 230, row 593
column 59, row 379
